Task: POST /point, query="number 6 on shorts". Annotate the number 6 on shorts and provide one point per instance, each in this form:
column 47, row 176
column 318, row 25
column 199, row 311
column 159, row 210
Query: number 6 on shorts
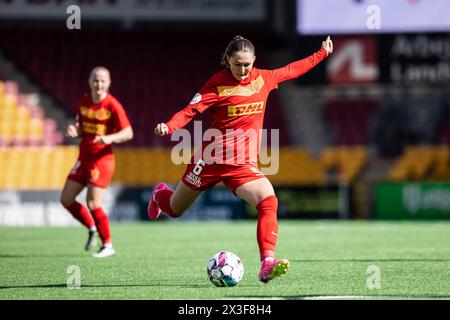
column 198, row 167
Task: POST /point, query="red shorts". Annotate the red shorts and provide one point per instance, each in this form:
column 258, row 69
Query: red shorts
column 203, row 176
column 97, row 172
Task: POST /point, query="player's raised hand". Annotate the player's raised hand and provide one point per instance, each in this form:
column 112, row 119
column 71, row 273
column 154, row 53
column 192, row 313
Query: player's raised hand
column 103, row 139
column 328, row 45
column 161, row 129
column 72, row 131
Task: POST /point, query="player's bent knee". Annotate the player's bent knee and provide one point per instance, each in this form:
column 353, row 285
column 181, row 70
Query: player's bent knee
column 66, row 202
column 178, row 209
column 273, row 199
column 268, row 204
column 93, row 205
column 177, row 213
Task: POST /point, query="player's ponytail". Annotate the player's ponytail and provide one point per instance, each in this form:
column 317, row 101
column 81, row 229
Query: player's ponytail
column 238, row 43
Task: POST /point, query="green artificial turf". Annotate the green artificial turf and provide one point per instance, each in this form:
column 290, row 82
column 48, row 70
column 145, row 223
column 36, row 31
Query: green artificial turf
column 167, row 260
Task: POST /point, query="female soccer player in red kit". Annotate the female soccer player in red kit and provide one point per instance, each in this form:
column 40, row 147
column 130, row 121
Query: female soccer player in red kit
column 236, row 98
column 101, row 121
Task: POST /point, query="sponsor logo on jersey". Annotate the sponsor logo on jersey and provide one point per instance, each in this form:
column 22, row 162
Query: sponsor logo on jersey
column 95, row 174
column 245, row 109
column 255, row 86
column 193, row 179
column 100, row 114
column 93, row 128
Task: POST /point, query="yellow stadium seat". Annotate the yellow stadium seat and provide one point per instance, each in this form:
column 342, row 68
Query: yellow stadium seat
column 20, row 130
column 7, row 113
column 347, row 161
column 9, row 100
column 21, row 114
column 7, row 130
column 296, row 167
column 416, row 163
column 2, row 89
column 329, row 158
column 441, row 169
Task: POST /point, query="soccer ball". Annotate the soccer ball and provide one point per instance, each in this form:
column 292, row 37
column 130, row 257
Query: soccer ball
column 225, row 269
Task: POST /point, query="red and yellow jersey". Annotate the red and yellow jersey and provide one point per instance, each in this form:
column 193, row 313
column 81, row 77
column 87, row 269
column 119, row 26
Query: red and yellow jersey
column 237, row 107
column 99, row 119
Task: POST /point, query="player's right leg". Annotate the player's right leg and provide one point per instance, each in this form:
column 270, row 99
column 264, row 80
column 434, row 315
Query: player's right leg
column 273, row 268
column 68, row 195
column 153, row 211
column 260, row 194
column 174, row 203
column 94, row 199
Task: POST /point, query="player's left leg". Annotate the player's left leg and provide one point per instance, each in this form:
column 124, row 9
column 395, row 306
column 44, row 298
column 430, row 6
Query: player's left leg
column 260, row 194
column 68, row 199
column 174, row 203
column 100, row 172
column 192, row 184
column 94, row 200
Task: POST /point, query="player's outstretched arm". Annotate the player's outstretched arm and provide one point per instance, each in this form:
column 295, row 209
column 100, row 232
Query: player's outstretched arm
column 202, row 100
column 300, row 67
column 118, row 137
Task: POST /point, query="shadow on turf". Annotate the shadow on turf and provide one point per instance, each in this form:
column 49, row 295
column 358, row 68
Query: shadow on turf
column 64, row 285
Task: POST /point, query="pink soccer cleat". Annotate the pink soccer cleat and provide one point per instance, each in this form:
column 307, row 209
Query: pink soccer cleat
column 153, row 211
column 272, row 269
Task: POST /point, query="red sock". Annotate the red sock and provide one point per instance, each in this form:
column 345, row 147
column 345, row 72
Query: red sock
column 162, row 198
column 80, row 213
column 267, row 228
column 102, row 223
